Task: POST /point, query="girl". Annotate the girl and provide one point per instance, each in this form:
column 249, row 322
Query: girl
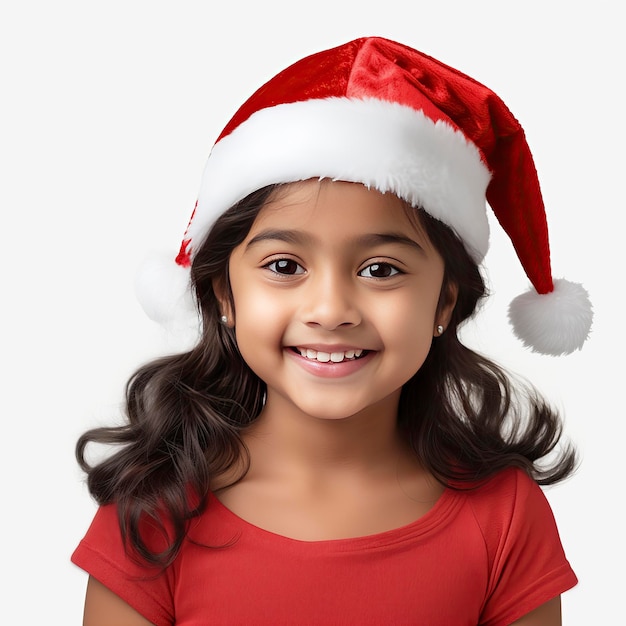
column 328, row 452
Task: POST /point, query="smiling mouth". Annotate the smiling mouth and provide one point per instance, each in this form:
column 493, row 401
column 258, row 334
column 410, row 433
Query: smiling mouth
column 330, row 357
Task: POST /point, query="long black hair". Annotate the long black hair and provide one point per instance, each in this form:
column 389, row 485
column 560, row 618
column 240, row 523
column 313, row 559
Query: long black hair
column 464, row 416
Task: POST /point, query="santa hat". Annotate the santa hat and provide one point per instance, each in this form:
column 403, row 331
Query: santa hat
column 376, row 112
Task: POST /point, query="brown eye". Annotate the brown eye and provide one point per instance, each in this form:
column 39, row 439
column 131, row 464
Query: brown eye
column 287, row 267
column 379, row 270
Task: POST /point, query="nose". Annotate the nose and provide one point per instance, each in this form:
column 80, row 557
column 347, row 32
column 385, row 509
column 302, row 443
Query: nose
column 330, row 301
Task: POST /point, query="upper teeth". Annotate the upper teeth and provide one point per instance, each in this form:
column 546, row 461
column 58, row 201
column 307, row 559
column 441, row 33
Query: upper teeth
column 324, row 357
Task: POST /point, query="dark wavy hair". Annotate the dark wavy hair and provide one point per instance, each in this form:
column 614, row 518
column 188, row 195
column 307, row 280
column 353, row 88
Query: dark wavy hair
column 464, row 416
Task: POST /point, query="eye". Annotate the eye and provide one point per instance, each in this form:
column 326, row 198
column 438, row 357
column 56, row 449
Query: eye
column 379, row 270
column 286, row 267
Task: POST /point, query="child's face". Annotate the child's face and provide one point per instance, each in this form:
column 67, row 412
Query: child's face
column 335, row 269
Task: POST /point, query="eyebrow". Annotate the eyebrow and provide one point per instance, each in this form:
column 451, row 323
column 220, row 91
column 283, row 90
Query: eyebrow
column 288, row 236
column 378, row 239
column 365, row 241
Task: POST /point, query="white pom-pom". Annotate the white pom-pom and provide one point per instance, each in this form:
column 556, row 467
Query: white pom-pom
column 163, row 290
column 555, row 323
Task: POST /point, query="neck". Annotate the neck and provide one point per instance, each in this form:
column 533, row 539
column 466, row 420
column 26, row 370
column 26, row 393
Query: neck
column 285, row 437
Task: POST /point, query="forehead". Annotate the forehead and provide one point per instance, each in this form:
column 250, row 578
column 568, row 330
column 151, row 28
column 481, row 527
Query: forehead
column 336, row 207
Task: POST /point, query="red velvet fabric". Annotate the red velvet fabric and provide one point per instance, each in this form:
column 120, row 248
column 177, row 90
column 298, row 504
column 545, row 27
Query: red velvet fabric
column 373, row 67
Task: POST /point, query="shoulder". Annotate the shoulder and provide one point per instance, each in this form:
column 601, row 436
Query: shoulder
column 103, row 554
column 506, row 481
column 526, row 561
column 514, row 516
column 509, row 493
column 105, row 531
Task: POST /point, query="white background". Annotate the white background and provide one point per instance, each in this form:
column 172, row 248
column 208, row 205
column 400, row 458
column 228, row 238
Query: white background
column 108, row 111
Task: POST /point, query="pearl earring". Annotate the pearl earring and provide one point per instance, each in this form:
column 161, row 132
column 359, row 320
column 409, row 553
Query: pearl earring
column 224, row 319
column 439, row 329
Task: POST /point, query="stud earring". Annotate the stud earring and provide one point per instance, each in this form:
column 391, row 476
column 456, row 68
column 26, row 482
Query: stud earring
column 439, row 329
column 224, row 319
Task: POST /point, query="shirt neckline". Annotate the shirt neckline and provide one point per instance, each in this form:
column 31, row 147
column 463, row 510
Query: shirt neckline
column 431, row 522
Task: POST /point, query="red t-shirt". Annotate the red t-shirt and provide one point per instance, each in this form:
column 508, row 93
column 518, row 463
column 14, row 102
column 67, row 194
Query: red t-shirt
column 486, row 556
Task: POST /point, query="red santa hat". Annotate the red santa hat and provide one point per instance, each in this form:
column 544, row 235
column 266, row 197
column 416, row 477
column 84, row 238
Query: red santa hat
column 376, row 112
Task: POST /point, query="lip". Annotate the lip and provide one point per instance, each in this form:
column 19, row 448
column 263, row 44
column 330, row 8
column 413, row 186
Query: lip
column 324, row 347
column 329, row 369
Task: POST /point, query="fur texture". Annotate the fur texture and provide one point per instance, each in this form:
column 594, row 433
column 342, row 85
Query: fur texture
column 163, row 290
column 556, row 323
column 426, row 163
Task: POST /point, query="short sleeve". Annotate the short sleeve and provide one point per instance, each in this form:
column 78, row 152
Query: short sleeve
column 101, row 554
column 527, row 562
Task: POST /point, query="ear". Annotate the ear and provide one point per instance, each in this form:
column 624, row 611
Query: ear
column 222, row 295
column 447, row 302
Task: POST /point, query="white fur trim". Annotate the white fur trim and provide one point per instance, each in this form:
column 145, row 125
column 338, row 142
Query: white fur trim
column 555, row 323
column 381, row 144
column 163, row 290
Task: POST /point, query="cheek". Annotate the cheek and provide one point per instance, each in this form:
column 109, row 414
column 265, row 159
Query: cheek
column 414, row 313
column 259, row 314
column 256, row 305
